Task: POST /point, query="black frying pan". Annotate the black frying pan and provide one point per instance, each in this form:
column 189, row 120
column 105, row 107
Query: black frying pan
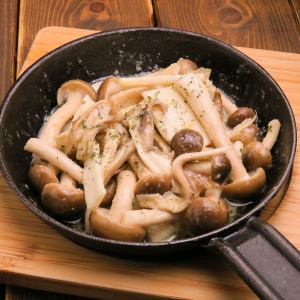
column 261, row 255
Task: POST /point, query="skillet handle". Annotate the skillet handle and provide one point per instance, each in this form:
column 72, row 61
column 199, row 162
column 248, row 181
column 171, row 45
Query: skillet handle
column 266, row 261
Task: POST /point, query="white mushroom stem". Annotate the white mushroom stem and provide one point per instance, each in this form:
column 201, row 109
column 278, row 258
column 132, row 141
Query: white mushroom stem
column 67, row 180
column 177, row 167
column 272, row 134
column 122, row 155
column 172, row 69
column 202, row 167
column 161, row 143
column 127, row 98
column 201, row 102
column 54, row 157
column 239, row 147
column 86, row 103
column 228, row 105
column 238, row 128
column 138, row 166
column 147, row 217
column 213, row 193
column 124, row 196
column 93, row 180
column 177, row 115
column 59, row 118
column 148, row 81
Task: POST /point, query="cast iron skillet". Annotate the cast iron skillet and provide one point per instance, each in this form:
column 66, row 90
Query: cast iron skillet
column 261, row 255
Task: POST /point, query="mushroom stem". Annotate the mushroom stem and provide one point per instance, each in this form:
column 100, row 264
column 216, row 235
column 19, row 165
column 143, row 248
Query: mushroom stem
column 202, row 167
column 200, row 101
column 138, row 166
column 228, row 105
column 124, row 196
column 272, row 134
column 238, row 146
column 67, row 180
column 54, row 157
column 177, row 167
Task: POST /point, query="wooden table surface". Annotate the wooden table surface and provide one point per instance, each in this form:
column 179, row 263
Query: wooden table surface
column 264, row 24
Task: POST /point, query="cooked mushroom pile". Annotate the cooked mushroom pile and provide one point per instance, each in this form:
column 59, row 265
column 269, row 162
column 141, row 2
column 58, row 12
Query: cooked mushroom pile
column 154, row 157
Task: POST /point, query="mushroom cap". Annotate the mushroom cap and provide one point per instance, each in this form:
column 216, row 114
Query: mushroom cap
column 240, row 115
column 256, row 155
column 186, row 65
column 153, row 183
column 246, row 187
column 40, row 175
column 186, row 141
column 103, row 225
column 110, row 193
column 206, row 214
column 108, row 87
column 247, row 135
column 63, row 202
column 220, row 167
column 77, row 85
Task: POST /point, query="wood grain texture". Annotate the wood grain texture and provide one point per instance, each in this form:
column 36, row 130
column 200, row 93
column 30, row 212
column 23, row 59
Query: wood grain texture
column 8, row 25
column 88, row 14
column 34, row 255
column 249, row 23
column 295, row 5
column 19, row 293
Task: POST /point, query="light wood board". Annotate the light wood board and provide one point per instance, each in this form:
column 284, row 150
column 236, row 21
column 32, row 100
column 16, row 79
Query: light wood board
column 34, row 255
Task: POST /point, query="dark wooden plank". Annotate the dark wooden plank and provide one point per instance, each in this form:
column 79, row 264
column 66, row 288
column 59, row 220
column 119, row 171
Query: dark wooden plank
column 8, row 25
column 249, row 23
column 87, row 14
column 19, row 293
column 295, row 4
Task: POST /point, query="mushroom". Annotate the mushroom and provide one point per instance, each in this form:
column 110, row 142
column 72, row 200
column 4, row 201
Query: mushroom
column 110, row 193
column 109, row 224
column 55, row 157
column 207, row 213
column 200, row 101
column 238, row 116
column 176, row 116
column 258, row 154
column 108, row 87
column 40, row 175
column 186, row 66
column 149, row 183
column 63, row 200
column 185, row 141
column 167, row 202
column 161, row 143
column 246, row 135
column 178, row 171
column 218, row 103
column 220, row 167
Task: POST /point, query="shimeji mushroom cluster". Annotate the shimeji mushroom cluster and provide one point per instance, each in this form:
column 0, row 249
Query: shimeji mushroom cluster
column 149, row 157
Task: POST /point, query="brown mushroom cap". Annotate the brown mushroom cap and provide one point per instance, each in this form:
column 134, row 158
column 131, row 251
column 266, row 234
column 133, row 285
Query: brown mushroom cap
column 186, row 66
column 72, row 86
column 108, row 87
column 186, row 141
column 256, row 155
column 220, row 167
column 248, row 187
column 63, row 202
column 102, row 225
column 153, row 184
column 249, row 134
column 240, row 115
column 206, row 214
column 40, row 175
column 110, row 193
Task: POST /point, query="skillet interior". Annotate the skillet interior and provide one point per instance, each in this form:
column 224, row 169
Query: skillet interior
column 123, row 52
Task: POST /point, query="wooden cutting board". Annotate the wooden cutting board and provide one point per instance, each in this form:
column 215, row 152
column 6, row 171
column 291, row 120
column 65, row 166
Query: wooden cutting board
column 34, row 255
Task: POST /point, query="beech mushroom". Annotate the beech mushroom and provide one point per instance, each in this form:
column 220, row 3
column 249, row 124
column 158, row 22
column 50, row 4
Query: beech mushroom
column 176, row 116
column 241, row 114
column 110, row 193
column 55, row 157
column 220, row 167
column 200, row 100
column 185, row 141
column 167, row 202
column 63, row 200
column 246, row 135
column 218, row 103
column 109, row 224
column 108, row 87
column 40, row 175
column 207, row 213
column 258, row 154
column 149, row 183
